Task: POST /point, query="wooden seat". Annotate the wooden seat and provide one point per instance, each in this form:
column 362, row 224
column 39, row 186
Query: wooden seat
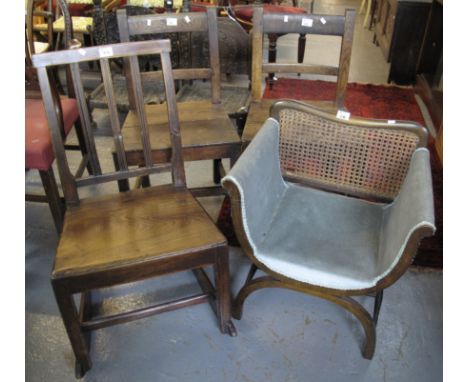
column 127, row 225
column 268, row 23
column 117, row 238
column 207, row 132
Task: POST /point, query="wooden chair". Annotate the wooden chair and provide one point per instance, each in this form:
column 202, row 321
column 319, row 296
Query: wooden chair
column 39, row 154
column 331, row 208
column 317, row 24
column 120, row 238
column 207, row 132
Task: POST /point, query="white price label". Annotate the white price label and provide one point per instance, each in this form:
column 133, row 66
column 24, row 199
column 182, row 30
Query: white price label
column 322, row 20
column 171, row 21
column 341, row 114
column 187, row 19
column 106, row 52
column 391, row 121
column 148, row 22
column 82, row 51
column 285, row 19
column 307, row 22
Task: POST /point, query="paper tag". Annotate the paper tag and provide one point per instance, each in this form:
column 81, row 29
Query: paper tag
column 82, row 51
column 341, row 114
column 307, row 22
column 391, row 121
column 187, row 19
column 148, row 22
column 285, row 19
column 171, row 21
column 322, row 20
column 106, row 52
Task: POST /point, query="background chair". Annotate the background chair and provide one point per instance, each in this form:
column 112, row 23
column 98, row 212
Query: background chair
column 39, row 154
column 331, row 208
column 207, row 132
column 315, row 24
column 118, row 238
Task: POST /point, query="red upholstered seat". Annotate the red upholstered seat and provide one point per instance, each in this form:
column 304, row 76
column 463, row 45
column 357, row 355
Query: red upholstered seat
column 38, row 146
column 246, row 13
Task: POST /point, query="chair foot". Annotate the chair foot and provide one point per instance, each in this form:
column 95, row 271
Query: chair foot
column 229, row 328
column 79, row 370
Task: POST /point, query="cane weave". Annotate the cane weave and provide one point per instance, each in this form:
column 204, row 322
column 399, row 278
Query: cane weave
column 357, row 160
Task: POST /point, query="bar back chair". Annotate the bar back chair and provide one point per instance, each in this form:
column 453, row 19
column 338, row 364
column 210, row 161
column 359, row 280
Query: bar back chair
column 331, row 208
column 207, row 132
column 310, row 24
column 116, row 238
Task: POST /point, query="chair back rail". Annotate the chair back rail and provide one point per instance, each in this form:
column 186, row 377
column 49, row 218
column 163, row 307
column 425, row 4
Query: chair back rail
column 328, row 25
column 73, row 57
column 318, row 149
column 130, row 26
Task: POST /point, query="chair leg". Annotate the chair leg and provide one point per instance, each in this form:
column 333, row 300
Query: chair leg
column 301, row 49
column 216, row 171
column 71, row 321
column 347, row 303
column 377, row 304
column 271, row 57
column 56, row 205
column 223, row 294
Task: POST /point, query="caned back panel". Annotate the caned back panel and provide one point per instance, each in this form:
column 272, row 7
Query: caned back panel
column 73, row 57
column 355, row 159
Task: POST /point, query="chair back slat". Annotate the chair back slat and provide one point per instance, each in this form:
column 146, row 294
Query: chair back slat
column 140, row 25
column 140, row 110
column 104, row 54
column 178, row 172
column 85, row 119
column 312, row 24
column 113, row 114
column 69, row 190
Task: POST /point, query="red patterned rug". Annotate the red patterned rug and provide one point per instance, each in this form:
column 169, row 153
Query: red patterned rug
column 370, row 101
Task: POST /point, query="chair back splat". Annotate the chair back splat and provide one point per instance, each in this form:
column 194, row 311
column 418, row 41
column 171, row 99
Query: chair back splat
column 310, row 24
column 130, row 26
column 103, row 54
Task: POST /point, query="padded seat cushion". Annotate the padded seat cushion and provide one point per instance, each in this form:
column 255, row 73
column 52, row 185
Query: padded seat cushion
column 38, row 144
column 323, row 238
column 246, row 13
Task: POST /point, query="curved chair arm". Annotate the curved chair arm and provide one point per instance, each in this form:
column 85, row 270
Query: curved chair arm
column 257, row 177
column 411, row 213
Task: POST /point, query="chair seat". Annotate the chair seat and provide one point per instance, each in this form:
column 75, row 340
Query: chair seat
column 323, row 239
column 201, row 123
column 246, row 13
column 141, row 225
column 80, row 25
column 260, row 111
column 38, row 144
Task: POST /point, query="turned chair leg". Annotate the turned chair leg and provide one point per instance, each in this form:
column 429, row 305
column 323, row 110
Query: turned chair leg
column 56, row 204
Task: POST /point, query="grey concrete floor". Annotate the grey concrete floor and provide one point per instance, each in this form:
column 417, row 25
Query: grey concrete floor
column 283, row 335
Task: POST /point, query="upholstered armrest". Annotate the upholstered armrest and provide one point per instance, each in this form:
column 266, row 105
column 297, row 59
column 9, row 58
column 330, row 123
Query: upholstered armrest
column 411, row 211
column 257, row 177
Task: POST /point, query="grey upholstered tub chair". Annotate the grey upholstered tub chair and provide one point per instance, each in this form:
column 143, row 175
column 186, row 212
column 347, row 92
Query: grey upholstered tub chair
column 334, row 208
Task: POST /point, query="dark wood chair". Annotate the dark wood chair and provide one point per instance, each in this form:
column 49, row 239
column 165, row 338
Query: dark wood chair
column 39, row 154
column 206, row 130
column 118, row 238
column 331, row 208
column 330, row 25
